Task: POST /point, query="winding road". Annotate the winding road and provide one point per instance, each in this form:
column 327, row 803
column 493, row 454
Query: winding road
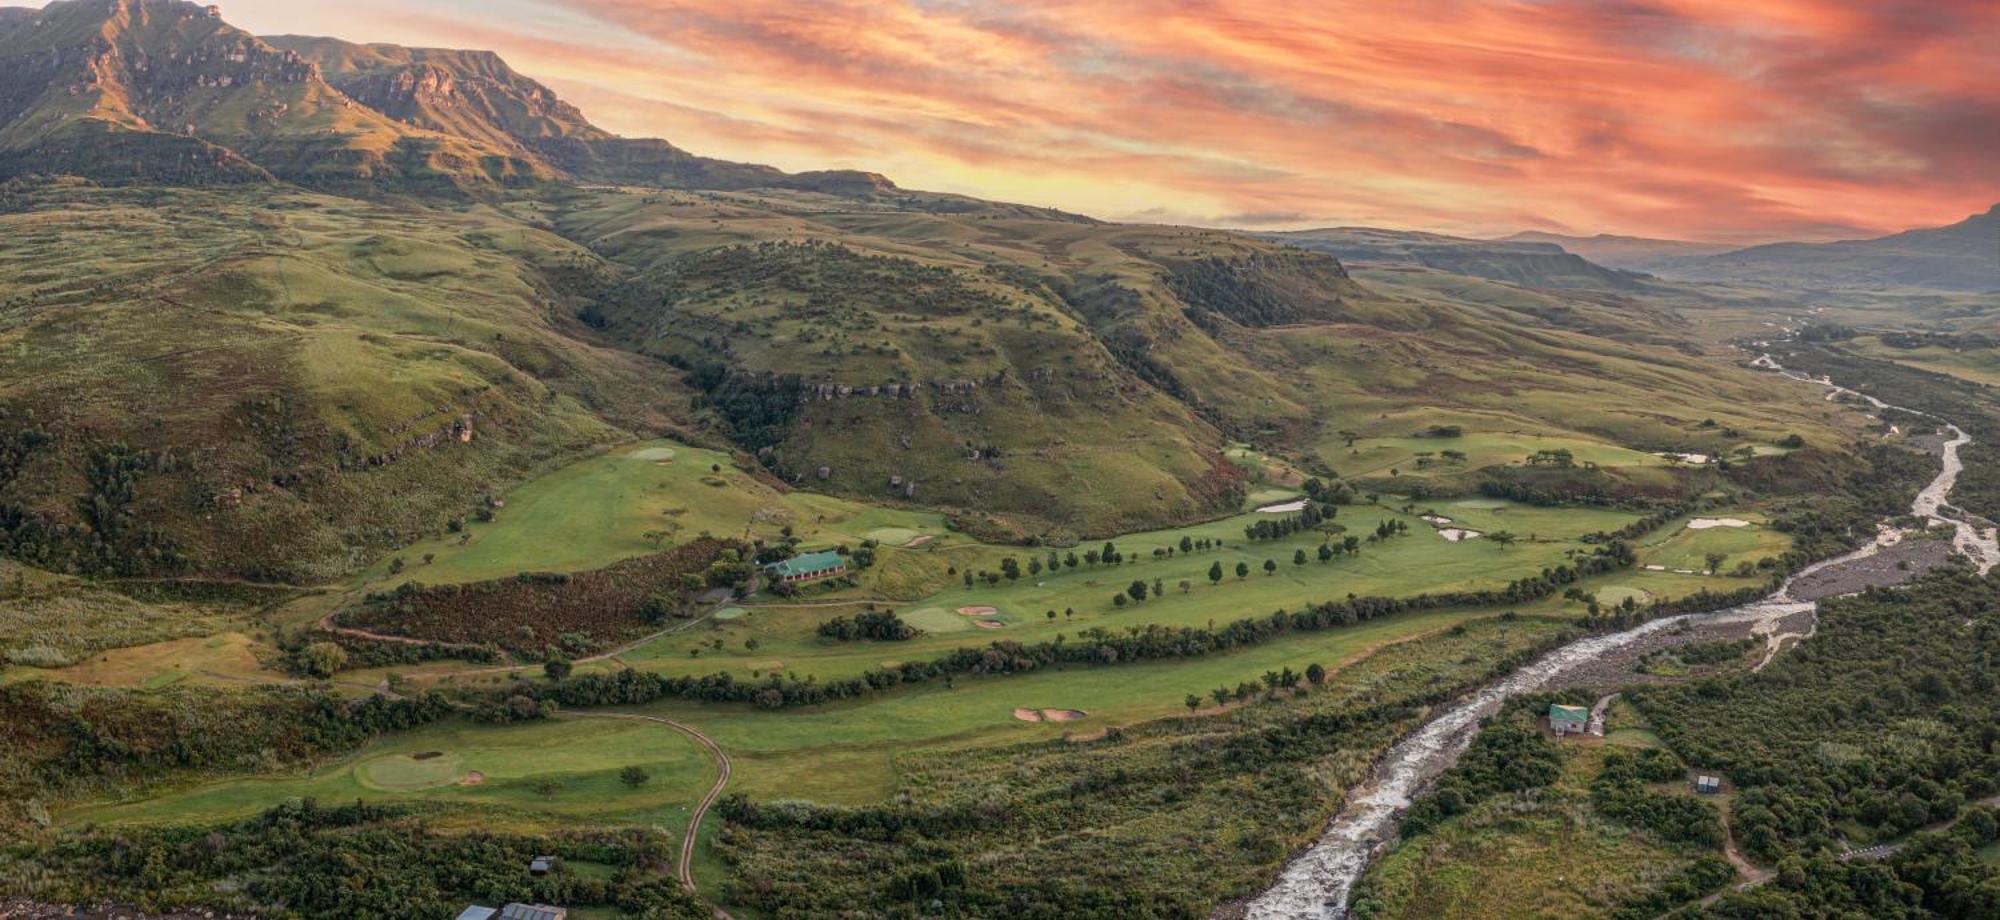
column 685, row 869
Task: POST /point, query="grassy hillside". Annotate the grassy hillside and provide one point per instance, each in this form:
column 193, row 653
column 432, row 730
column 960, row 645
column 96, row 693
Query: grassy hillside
column 293, row 385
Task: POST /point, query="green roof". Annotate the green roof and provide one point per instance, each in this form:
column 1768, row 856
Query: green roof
column 807, row 564
column 1568, row 713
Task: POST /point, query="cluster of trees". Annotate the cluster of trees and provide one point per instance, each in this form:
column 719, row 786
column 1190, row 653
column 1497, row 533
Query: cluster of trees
column 1309, row 518
column 1902, row 682
column 881, row 625
column 1510, row 755
column 1274, row 681
column 756, row 408
column 301, row 859
column 1621, row 793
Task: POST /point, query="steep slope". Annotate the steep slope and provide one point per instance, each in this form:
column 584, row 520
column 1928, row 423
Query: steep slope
column 476, row 95
column 1542, row 265
column 1964, row 256
column 298, row 383
column 151, row 90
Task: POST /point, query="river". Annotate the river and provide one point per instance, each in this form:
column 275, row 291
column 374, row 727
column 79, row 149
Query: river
column 1316, row 884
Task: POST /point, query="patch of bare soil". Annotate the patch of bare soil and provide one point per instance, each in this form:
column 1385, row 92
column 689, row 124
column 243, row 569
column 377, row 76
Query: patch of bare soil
column 1027, row 715
column 472, row 778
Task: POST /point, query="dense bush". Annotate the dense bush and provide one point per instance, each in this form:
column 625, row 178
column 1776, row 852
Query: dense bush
column 882, row 625
column 349, row 862
column 534, row 615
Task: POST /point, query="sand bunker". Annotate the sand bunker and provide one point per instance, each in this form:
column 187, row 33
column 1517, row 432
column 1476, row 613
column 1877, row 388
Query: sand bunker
column 1456, row 534
column 978, row 611
column 1285, row 508
column 989, row 624
column 472, row 778
column 1684, row 458
column 1437, row 519
column 1706, row 523
column 1049, row 715
column 918, row 541
column 653, row 453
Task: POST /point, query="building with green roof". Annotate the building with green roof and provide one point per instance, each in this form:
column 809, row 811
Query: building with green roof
column 1564, row 720
column 807, row 567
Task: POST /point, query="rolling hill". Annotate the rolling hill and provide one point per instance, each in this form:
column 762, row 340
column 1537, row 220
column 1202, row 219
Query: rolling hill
column 1630, row 253
column 401, row 280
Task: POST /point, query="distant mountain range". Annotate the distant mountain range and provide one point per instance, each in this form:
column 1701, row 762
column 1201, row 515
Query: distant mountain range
column 1528, row 263
column 1964, row 256
column 1632, row 253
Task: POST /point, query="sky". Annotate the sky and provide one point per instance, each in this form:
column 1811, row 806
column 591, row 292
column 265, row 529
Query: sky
column 1724, row 120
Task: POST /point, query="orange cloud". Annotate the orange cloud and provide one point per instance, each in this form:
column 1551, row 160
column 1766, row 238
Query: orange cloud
column 1696, row 118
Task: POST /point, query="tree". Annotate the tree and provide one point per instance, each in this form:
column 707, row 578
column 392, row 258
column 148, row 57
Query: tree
column 1502, row 537
column 1137, row 590
column 1270, row 566
column 1325, row 552
column 1011, row 568
column 1193, row 703
column 1187, row 544
column 1242, row 570
column 1215, row 572
column 1052, row 615
column 1220, row 695
column 1315, row 674
column 547, row 787
column 968, row 578
column 324, row 659
column 1298, row 557
column 1715, row 561
column 634, row 776
column 1034, row 566
column 1186, row 586
column 1159, row 588
column 1117, row 600
column 1351, row 542
column 557, row 668
column 396, row 566
column 1069, row 560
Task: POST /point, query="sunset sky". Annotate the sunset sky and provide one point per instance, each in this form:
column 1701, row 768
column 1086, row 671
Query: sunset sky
column 1731, row 120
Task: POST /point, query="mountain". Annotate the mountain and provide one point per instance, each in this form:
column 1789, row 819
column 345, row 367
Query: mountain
column 1631, row 253
column 1964, row 256
column 147, row 90
column 162, row 90
column 476, row 95
column 296, row 365
column 1531, row 264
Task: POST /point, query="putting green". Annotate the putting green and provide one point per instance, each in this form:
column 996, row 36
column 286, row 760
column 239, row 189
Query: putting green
column 408, row 772
column 937, row 620
column 730, row 613
column 652, row 453
column 893, row 536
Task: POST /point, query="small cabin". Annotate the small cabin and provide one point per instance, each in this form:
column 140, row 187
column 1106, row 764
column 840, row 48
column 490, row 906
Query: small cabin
column 1568, row 720
column 1707, row 785
column 809, row 567
column 533, row 912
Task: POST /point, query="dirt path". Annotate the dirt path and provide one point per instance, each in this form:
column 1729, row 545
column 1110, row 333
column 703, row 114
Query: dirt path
column 686, row 868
